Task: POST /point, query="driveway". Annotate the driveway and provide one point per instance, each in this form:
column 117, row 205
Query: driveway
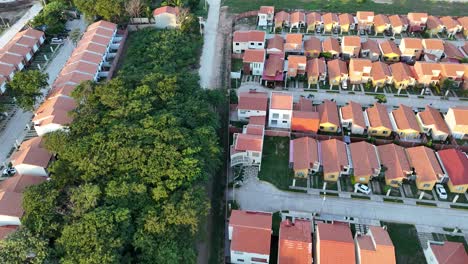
column 16, row 128
column 262, row 196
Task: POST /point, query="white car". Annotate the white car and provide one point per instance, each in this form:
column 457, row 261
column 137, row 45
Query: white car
column 9, row 171
column 362, row 188
column 440, row 190
column 56, row 41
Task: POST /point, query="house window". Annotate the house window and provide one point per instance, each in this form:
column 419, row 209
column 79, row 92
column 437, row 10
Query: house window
column 362, row 179
column 255, row 154
column 274, row 122
column 275, row 115
column 332, row 176
column 285, row 116
column 259, row 44
column 385, row 132
column 237, row 43
column 374, row 131
column 331, row 128
column 394, row 182
column 259, row 260
column 459, row 188
column 321, row 127
column 238, row 252
column 243, row 111
column 240, row 260
column 426, row 185
column 285, row 122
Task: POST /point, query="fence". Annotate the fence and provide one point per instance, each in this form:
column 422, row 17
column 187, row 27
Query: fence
column 245, row 15
column 277, row 133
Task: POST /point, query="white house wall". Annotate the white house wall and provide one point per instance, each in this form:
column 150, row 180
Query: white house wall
column 26, row 169
column 9, row 220
column 283, row 119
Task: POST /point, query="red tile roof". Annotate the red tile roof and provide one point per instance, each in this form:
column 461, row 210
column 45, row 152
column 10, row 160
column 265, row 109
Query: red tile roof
column 246, row 36
column 376, row 247
column 293, row 42
column 331, row 45
column 378, row 116
column 405, row 118
column 282, row 101
column 450, row 253
column 257, row 120
column 451, row 51
column 364, row 157
column 248, row 142
column 253, row 101
column 334, row 156
column 251, row 219
column 345, row 19
column 254, row 56
column 18, row 183
column 274, row 65
column 425, row 164
column 313, row 18
column 401, row 72
column 297, row 17
column 281, row 17
column 329, row 18
column 329, row 113
column 55, row 110
column 316, row 67
column 380, row 71
column 456, row 165
column 305, row 121
column 252, row 129
column 295, row 242
column 381, row 20
column 267, row 10
column 31, row 152
column 431, row 116
column 10, row 204
column 393, row 157
column 5, row 231
column 335, row 244
column 389, row 47
column 305, row 153
column 337, row 68
column 247, row 224
column 371, row 45
column 166, row 9
column 354, row 112
column 312, row 44
column 277, row 42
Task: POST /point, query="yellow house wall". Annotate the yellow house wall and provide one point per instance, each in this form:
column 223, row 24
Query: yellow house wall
column 328, row 27
column 301, row 173
column 409, row 132
column 403, row 84
column 344, row 28
column 335, row 81
column 328, row 127
column 461, row 129
column 389, row 182
column 382, row 82
column 313, row 79
column 380, row 29
column 379, row 131
column 420, row 184
column 391, row 57
column 331, row 176
column 454, row 189
column 362, row 178
column 311, row 27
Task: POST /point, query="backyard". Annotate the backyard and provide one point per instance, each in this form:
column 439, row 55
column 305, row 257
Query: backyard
column 406, row 243
column 275, row 162
column 351, row 6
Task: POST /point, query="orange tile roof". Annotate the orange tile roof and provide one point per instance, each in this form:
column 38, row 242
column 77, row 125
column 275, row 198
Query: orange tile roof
column 293, row 64
column 329, row 113
column 371, row 45
column 6, row 70
column 455, row 164
column 247, row 224
column 81, row 67
column 381, row 20
column 393, row 157
column 297, row 17
column 316, row 67
column 427, row 69
column 433, row 44
column 365, row 15
column 331, row 45
column 281, row 101
column 395, row 21
column 305, row 121
column 282, row 16
column 329, row 18
column 274, row 64
column 250, row 219
column 267, row 10
column 345, row 19
column 450, row 253
column 376, row 247
column 313, row 43
column 380, row 71
column 425, row 164
column 254, row 56
column 277, row 42
column 55, row 110
column 334, row 156
column 463, row 21
column 461, row 115
column 354, row 112
column 102, row 24
column 453, row 70
column 378, row 116
column 388, row 47
column 305, row 153
column 430, row 116
column 449, row 22
column 417, row 17
column 248, row 142
column 352, row 41
column 17, row 49
column 304, row 105
column 293, row 42
column 405, row 118
column 257, row 120
column 313, row 18
column 252, row 129
column 11, row 59
column 246, row 36
column 99, row 31
column 295, row 242
column 253, row 101
column 166, row 9
column 364, row 157
column 433, row 22
column 335, row 244
column 18, row 183
column 412, row 43
column 359, row 65
column 401, row 72
column 337, row 68
column 31, row 152
column 11, row 204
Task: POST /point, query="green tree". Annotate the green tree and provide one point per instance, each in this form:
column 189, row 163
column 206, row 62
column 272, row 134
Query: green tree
column 23, row 246
column 75, row 35
column 52, row 17
column 26, row 87
column 111, row 10
column 381, row 98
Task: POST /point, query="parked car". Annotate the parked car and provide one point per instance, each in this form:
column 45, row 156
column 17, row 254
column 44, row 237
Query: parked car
column 362, row 188
column 344, row 85
column 56, row 41
column 440, row 190
column 9, row 171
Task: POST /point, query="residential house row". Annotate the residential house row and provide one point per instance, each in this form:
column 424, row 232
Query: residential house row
column 90, row 61
column 301, row 241
column 18, row 53
column 362, row 21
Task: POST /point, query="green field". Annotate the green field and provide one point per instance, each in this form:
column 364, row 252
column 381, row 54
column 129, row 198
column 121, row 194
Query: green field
column 275, row 162
column 351, row 6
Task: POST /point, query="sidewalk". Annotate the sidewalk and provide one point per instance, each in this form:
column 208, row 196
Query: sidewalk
column 8, row 34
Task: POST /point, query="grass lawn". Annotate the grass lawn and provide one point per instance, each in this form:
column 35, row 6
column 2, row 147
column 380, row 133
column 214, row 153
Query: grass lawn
column 406, row 242
column 236, row 65
column 351, row 6
column 275, row 162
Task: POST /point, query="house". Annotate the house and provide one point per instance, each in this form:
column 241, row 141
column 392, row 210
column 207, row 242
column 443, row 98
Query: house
column 378, row 121
column 304, row 156
column 305, row 118
column 337, row 72
column 411, row 49
column 399, row 25
column 329, row 119
column 243, row 40
column 360, row 71
column 352, row 118
column 281, row 107
column 427, row 73
column 404, row 123
column 403, row 76
column 452, row 53
column 293, row 43
column 334, row 244
column 393, row 158
column 295, row 242
column 335, row 160
column 316, row 71
column 452, row 26
column 53, row 115
column 432, row 123
column 370, row 50
column 166, row 17
column 254, row 62
column 350, row 47
column 312, row 47
column 330, row 22
column 298, row 20
column 274, row 70
column 314, row 22
column 275, row 45
column 426, row 167
column 464, row 23
column 12, row 60
column 332, row 47
column 32, row 158
column 296, row 65
column 445, row 253
column 366, row 162
column 247, row 146
column 454, row 72
column 434, row 47
column 243, row 225
column 374, row 247
column 434, row 26
column 457, row 121
column 390, row 51
column 365, row 20
column 252, row 103
column 346, row 23
column 455, row 165
column 282, row 19
column 381, row 74
column 265, row 16
column 381, row 24
column 417, row 21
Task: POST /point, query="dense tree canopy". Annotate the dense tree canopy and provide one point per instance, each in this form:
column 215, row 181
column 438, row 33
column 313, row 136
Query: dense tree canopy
column 127, row 183
column 26, row 87
column 52, row 17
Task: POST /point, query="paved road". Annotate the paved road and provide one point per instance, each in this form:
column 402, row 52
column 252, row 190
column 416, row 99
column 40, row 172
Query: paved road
column 262, row 196
column 207, row 61
column 8, row 34
column 363, row 99
column 16, row 127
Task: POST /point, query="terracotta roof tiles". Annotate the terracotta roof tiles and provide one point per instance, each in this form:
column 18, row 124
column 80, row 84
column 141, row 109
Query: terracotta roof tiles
column 295, row 242
column 334, row 156
column 282, row 101
column 378, row 116
column 353, row 111
column 364, row 157
column 305, row 153
column 405, row 118
column 430, row 116
column 425, row 164
column 456, row 165
column 253, row 101
column 31, row 152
